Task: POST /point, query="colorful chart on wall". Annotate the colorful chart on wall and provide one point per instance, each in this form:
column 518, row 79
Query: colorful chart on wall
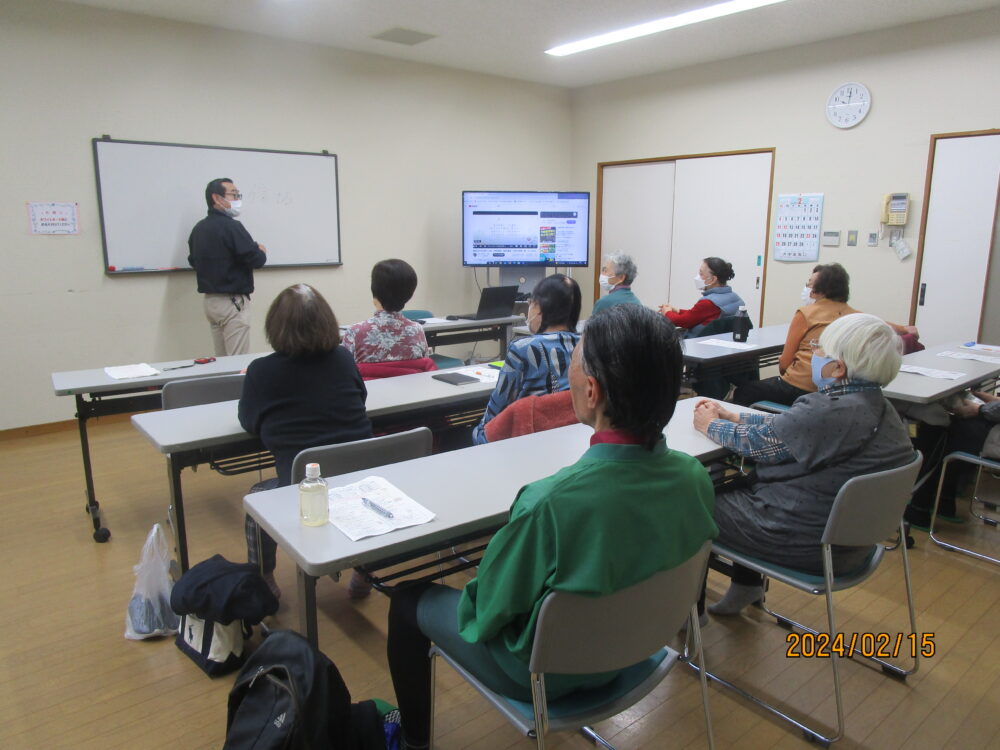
column 797, row 227
column 150, row 195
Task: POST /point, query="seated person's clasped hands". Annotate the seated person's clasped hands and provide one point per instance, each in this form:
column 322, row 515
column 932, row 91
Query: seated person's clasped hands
column 718, row 300
column 705, row 411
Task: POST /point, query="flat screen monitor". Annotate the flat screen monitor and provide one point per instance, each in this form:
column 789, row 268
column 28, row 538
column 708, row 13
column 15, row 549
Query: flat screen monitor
column 526, row 228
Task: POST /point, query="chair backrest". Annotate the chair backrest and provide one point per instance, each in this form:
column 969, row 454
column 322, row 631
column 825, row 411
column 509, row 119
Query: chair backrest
column 364, row 454
column 416, row 314
column 578, row 634
column 868, row 508
column 378, row 370
column 532, row 414
column 194, row 391
column 719, row 325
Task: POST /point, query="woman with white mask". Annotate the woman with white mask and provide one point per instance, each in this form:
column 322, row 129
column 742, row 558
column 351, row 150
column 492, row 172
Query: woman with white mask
column 618, row 271
column 718, row 300
column 825, row 295
column 804, row 456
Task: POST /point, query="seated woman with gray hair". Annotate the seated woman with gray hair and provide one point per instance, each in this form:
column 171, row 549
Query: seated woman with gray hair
column 805, row 455
column 618, row 271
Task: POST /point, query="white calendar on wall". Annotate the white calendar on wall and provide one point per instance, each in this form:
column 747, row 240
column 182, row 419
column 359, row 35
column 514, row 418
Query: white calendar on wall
column 797, row 226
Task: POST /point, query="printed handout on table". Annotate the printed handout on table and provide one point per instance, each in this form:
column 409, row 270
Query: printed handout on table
column 387, row 508
column 123, row 372
column 728, row 344
column 930, row 372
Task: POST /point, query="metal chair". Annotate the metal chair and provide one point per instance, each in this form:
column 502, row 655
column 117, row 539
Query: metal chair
column 228, row 461
column 442, row 361
column 342, row 458
column 194, row 391
column 770, row 406
column 867, row 509
column 577, row 634
column 988, row 507
column 416, row 314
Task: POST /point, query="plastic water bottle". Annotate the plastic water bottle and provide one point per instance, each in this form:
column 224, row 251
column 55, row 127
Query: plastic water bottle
column 314, row 504
column 741, row 326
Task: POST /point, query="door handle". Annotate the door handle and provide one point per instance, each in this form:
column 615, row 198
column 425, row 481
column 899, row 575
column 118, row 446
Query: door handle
column 920, row 299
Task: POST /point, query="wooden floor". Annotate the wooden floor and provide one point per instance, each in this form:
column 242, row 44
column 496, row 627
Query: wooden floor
column 70, row 679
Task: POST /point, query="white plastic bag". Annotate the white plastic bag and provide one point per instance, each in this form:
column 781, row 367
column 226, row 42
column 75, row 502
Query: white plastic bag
column 148, row 614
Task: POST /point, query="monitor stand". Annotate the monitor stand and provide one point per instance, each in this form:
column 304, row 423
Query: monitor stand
column 524, row 276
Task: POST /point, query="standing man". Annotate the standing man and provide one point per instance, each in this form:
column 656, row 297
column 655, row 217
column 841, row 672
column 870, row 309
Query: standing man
column 223, row 255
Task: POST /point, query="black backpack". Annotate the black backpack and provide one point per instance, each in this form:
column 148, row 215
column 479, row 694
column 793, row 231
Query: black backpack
column 290, row 695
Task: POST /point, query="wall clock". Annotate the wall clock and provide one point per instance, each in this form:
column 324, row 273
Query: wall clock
column 848, row 105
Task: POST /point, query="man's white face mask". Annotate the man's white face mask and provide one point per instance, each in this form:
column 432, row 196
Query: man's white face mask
column 234, row 208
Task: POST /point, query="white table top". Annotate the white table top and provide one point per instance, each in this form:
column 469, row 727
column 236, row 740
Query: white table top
column 97, row 381
column 469, row 490
column 207, row 425
column 920, row 389
column 440, row 325
column 765, row 340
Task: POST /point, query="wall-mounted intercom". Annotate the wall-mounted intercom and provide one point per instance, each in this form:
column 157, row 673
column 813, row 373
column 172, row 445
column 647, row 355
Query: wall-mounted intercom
column 895, row 208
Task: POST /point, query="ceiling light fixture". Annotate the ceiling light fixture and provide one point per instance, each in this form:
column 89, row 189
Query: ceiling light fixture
column 663, row 24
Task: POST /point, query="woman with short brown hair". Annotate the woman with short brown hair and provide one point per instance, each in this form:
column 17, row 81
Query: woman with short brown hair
column 307, row 393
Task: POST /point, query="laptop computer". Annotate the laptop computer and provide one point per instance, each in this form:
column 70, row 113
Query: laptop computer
column 494, row 302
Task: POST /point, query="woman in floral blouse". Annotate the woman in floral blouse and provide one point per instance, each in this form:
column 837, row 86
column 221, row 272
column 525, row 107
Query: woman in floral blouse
column 387, row 336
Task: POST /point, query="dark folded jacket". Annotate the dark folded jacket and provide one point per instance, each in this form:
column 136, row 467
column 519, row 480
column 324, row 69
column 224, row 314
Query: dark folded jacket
column 222, row 591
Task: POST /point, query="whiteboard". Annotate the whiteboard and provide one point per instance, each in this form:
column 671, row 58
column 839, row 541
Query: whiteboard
column 150, row 195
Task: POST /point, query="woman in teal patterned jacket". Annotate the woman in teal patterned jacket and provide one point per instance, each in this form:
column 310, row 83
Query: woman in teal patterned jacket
column 538, row 364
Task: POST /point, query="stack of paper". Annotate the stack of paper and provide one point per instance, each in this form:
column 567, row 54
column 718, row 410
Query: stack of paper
column 387, row 509
column 931, row 372
column 982, row 348
column 483, row 373
column 967, row 355
column 141, row 370
column 728, row 344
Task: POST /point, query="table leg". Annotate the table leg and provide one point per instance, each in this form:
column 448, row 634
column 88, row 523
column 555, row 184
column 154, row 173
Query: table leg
column 505, row 334
column 307, row 606
column 101, row 534
column 177, row 507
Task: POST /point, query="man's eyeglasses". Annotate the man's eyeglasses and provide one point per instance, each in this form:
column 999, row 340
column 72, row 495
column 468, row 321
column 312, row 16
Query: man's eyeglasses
column 235, row 195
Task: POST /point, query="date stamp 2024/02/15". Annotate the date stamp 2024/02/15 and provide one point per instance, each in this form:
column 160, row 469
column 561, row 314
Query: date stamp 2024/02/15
column 878, row 645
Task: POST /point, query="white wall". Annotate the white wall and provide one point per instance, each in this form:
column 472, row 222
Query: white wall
column 925, row 78
column 409, row 139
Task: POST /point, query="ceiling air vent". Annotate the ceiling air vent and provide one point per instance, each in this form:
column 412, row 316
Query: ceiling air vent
column 409, row 37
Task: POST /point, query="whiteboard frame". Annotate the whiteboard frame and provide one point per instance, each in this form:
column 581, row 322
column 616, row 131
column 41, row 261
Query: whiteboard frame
column 100, row 201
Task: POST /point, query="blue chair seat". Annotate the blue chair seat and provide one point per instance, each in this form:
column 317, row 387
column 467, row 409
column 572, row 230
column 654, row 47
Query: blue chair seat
column 771, row 406
column 601, row 699
column 813, row 584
